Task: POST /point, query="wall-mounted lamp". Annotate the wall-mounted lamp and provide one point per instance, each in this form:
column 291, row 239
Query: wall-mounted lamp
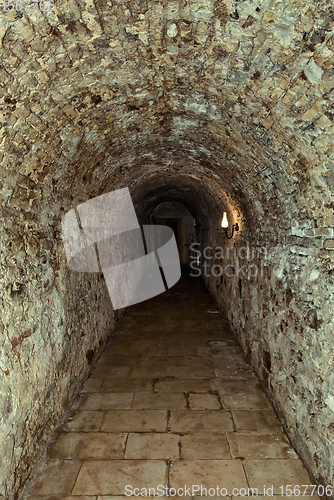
column 224, row 225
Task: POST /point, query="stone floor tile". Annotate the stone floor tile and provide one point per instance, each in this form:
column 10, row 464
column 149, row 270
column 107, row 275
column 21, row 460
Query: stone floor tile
column 190, row 371
column 124, row 350
column 259, row 421
column 208, row 473
column 110, row 477
column 223, row 345
column 228, row 355
column 225, row 348
column 196, row 361
column 203, row 351
column 185, row 325
column 158, row 350
column 228, row 386
column 204, row 446
column 175, row 361
column 182, row 385
column 233, row 377
column 148, row 371
column 156, row 329
column 225, row 371
column 56, row 477
column 204, row 402
column 92, row 385
column 256, row 446
column 85, row 421
column 135, row 421
column 121, row 360
column 152, row 446
column 127, row 385
column 126, row 341
column 217, row 422
column 159, row 361
column 159, row 401
column 106, row 370
column 150, row 341
column 227, row 367
column 176, row 350
column 246, row 401
column 221, row 348
column 85, row 445
column 216, row 333
column 107, row 401
column 276, row 472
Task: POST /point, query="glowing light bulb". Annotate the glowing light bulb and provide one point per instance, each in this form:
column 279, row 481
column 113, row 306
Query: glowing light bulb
column 224, row 220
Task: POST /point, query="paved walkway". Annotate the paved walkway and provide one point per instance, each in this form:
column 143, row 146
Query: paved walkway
column 171, row 403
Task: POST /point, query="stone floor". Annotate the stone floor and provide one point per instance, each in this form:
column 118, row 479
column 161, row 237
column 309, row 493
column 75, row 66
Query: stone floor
column 171, row 402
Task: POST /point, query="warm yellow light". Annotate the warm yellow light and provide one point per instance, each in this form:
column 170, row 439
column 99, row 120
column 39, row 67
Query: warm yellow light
column 224, row 220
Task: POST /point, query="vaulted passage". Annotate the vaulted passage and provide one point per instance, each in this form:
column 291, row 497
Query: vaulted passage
column 171, row 403
column 199, row 107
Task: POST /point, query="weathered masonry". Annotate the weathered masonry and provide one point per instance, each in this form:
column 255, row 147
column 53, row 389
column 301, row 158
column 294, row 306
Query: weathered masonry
column 216, row 106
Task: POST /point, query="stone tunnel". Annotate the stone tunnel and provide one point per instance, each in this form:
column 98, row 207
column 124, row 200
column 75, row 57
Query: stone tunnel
column 211, row 106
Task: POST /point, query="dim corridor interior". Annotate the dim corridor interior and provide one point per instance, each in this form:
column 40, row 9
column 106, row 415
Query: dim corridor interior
column 171, row 402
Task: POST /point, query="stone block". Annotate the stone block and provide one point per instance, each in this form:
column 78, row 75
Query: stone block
column 329, row 244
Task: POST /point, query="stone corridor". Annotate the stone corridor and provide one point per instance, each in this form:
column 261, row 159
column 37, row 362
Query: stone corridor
column 199, row 108
column 170, row 402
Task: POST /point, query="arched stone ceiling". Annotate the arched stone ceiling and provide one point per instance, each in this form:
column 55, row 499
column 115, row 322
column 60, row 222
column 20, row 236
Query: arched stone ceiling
column 206, row 201
column 238, row 94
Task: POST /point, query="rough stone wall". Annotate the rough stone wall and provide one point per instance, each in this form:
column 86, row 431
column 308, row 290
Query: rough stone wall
column 53, row 324
column 277, row 297
column 216, row 105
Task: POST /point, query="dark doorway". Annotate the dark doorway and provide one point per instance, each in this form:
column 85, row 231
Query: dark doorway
column 174, row 224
